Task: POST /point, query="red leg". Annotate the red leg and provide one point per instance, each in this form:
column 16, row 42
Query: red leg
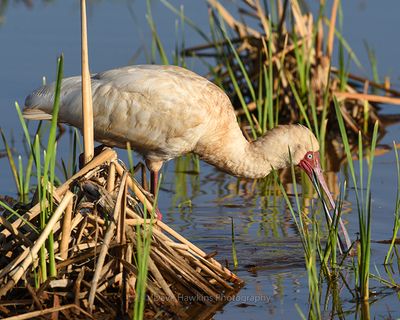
column 154, row 167
column 154, row 181
column 154, row 189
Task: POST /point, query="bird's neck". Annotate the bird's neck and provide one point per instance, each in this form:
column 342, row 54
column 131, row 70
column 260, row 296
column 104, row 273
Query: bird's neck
column 233, row 154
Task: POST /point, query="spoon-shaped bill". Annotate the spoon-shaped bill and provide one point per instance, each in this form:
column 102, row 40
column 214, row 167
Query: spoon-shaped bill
column 318, row 180
column 312, row 166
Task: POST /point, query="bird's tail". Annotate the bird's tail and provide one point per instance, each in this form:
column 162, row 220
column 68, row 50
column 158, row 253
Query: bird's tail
column 39, row 103
column 35, row 114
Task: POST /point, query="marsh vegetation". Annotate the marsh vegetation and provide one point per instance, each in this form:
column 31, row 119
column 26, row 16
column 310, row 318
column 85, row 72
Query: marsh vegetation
column 275, row 60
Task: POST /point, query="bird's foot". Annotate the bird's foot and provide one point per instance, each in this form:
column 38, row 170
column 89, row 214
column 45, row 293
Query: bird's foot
column 158, row 214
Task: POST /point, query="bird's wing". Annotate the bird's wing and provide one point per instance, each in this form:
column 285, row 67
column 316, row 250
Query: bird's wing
column 161, row 108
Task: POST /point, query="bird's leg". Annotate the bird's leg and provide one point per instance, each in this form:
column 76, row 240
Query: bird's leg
column 140, row 166
column 154, row 182
column 154, row 189
column 154, row 167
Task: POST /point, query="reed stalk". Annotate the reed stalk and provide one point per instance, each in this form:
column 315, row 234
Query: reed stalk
column 87, row 108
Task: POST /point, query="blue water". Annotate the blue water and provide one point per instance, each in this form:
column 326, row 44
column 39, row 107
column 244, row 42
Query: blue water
column 269, row 252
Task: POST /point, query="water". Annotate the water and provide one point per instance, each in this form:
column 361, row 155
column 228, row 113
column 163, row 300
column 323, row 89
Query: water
column 269, row 253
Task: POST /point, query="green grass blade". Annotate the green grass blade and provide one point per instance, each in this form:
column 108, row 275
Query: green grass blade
column 234, row 254
column 188, row 21
column 11, row 162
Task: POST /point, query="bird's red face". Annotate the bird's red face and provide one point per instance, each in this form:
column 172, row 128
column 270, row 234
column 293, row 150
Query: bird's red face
column 312, row 166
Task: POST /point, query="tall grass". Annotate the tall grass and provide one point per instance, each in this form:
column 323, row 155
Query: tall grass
column 234, row 252
column 22, row 179
column 363, row 199
column 396, row 222
column 143, row 239
column 46, row 177
column 310, row 242
column 143, row 247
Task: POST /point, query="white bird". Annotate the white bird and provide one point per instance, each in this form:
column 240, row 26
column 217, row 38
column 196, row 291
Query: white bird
column 167, row 111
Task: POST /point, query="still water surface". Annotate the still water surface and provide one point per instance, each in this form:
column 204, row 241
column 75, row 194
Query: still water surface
column 269, row 252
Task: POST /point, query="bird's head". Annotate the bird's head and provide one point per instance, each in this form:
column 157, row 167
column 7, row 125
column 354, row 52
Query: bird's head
column 295, row 144
column 306, row 156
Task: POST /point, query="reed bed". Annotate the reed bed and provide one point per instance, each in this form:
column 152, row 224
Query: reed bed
column 102, row 218
column 275, row 62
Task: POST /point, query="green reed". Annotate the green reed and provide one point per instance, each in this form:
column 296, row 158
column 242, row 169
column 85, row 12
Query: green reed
column 396, row 222
column 156, row 44
column 310, row 242
column 363, row 200
column 234, row 252
column 144, row 234
column 143, row 248
column 47, row 176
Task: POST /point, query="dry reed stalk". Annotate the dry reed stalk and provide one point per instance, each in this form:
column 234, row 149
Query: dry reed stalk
column 263, row 19
column 386, row 83
column 87, row 108
column 298, row 16
column 372, row 83
column 66, row 231
column 332, row 27
column 221, row 269
column 34, row 296
column 176, row 267
column 242, row 29
column 111, row 178
column 34, row 314
column 189, row 255
column 132, row 185
column 122, row 217
column 106, row 241
column 33, row 251
column 174, row 264
column 116, row 279
column 211, row 273
column 163, row 284
column 106, row 155
column 14, row 262
column 25, row 252
column 366, row 97
column 14, row 231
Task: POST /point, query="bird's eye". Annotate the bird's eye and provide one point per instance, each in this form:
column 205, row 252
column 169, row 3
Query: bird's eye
column 309, row 156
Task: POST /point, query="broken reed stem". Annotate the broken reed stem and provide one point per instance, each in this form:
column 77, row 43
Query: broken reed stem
column 122, row 217
column 106, row 155
column 33, row 251
column 195, row 251
column 39, row 313
column 66, row 231
column 132, row 185
column 332, row 27
column 106, row 241
column 367, row 97
column 162, row 283
column 111, row 178
column 87, row 108
column 224, row 271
